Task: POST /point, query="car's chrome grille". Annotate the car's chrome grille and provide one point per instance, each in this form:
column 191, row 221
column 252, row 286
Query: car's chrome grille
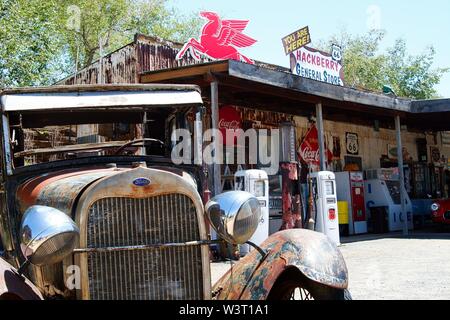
column 166, row 273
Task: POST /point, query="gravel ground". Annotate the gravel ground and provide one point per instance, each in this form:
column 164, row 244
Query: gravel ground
column 392, row 268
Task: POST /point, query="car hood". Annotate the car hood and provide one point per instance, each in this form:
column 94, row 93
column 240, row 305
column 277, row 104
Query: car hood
column 59, row 189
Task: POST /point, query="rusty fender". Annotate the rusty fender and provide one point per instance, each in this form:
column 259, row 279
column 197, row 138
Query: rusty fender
column 312, row 253
column 15, row 287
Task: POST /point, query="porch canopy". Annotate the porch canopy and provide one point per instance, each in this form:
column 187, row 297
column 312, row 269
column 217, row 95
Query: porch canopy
column 273, row 88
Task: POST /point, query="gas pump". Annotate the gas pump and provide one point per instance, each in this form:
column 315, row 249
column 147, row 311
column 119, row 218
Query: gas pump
column 326, row 207
column 255, row 182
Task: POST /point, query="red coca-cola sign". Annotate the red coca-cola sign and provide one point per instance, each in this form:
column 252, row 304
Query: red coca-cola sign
column 229, row 121
column 309, row 149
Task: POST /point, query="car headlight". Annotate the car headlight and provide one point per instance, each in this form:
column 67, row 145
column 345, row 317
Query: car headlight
column 47, row 235
column 435, row 207
column 234, row 215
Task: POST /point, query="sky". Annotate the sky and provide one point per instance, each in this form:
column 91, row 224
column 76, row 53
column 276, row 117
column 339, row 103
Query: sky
column 421, row 23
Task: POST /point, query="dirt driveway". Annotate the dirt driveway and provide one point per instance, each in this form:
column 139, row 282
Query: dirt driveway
column 393, row 267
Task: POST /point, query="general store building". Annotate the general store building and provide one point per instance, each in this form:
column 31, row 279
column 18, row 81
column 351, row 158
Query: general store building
column 266, row 96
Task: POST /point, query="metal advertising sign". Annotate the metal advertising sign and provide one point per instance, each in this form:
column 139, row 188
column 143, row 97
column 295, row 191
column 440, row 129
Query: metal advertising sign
column 352, row 143
column 318, row 65
column 219, row 40
column 229, row 120
column 309, row 149
column 446, row 138
column 435, row 154
column 296, row 40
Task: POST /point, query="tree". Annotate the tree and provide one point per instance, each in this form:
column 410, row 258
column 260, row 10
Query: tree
column 29, row 47
column 366, row 68
column 412, row 76
column 43, row 41
column 110, row 24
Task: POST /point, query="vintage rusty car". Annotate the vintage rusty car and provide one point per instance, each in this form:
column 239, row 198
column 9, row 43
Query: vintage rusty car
column 92, row 207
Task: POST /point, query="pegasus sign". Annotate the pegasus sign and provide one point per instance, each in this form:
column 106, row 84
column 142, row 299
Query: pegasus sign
column 219, row 40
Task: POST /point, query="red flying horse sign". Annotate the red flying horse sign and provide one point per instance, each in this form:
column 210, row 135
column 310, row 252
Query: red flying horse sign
column 219, row 40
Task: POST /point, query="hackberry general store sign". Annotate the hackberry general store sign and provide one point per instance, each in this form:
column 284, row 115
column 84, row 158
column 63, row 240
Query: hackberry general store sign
column 314, row 64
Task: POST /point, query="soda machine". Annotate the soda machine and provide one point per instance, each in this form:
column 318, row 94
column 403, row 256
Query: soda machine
column 382, row 190
column 350, row 188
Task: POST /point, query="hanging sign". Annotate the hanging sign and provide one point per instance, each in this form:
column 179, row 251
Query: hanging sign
column 296, row 40
column 352, row 143
column 435, row 154
column 229, row 121
column 219, row 40
column 309, row 149
column 318, row 65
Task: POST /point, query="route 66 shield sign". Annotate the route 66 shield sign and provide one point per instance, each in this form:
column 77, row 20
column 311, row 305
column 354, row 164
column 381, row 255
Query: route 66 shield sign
column 352, row 143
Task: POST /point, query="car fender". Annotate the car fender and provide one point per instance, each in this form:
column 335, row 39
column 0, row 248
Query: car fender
column 15, row 287
column 312, row 253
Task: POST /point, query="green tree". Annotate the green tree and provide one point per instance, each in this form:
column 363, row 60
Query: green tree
column 412, row 76
column 365, row 67
column 43, row 41
column 29, row 45
column 110, row 24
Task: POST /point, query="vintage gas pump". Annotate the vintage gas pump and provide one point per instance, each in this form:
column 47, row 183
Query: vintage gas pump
column 255, row 182
column 350, row 188
column 291, row 187
column 325, row 197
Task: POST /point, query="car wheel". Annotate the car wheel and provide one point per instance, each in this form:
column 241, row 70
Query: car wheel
column 293, row 285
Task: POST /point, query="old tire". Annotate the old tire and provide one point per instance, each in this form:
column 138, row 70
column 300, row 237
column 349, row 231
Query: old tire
column 293, row 285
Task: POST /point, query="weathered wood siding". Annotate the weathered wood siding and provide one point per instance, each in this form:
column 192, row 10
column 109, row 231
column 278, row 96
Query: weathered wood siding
column 127, row 63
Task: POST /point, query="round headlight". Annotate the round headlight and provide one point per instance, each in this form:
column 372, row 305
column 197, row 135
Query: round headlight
column 47, row 235
column 234, row 215
column 435, row 207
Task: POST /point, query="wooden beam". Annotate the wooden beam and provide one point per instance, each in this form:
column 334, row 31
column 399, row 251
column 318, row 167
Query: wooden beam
column 431, row 106
column 316, row 88
column 183, row 72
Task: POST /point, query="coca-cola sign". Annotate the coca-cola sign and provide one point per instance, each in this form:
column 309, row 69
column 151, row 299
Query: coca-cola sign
column 229, row 125
column 229, row 120
column 309, row 149
column 310, row 155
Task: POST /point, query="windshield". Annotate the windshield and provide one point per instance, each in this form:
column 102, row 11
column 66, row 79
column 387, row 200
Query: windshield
column 36, row 139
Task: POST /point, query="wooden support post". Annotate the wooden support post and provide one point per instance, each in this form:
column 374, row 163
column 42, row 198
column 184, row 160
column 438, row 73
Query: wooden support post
column 320, row 131
column 404, row 214
column 215, row 125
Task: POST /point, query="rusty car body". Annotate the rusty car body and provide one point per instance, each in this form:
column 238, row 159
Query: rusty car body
column 140, row 224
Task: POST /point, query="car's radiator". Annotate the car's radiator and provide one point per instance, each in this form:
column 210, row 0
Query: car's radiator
column 163, row 273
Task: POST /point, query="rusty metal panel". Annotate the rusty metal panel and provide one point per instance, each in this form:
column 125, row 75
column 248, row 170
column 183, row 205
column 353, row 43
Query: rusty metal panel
column 59, row 189
column 311, row 253
column 13, row 286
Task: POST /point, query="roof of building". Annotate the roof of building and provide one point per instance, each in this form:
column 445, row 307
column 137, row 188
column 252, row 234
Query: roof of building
column 279, row 90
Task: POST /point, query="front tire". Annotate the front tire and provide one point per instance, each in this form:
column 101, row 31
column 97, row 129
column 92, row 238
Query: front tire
column 293, row 285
